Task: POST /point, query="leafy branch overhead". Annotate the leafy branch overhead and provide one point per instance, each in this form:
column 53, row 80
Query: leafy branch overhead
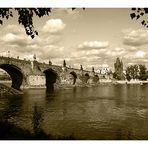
column 25, row 17
column 140, row 13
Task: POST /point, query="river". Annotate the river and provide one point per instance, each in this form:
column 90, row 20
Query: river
column 104, row 112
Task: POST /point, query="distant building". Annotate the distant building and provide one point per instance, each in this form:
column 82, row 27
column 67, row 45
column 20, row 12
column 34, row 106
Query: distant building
column 104, row 71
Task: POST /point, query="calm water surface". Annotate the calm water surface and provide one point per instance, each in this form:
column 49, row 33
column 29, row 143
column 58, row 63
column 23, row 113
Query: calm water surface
column 103, row 112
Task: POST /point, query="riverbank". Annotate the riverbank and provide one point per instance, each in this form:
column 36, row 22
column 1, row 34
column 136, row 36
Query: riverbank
column 9, row 131
column 130, row 82
column 6, row 90
column 101, row 82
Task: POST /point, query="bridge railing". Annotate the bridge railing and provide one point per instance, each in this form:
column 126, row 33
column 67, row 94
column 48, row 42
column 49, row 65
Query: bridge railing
column 14, row 59
column 43, row 64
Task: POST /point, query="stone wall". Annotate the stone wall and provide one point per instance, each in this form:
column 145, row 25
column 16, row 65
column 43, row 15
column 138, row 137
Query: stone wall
column 36, row 80
column 34, row 73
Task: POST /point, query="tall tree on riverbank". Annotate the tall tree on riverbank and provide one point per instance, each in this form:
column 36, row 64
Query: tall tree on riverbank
column 136, row 72
column 143, row 72
column 132, row 72
column 118, row 74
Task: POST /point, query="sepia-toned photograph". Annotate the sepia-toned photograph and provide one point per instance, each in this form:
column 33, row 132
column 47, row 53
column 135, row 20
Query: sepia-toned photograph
column 73, row 73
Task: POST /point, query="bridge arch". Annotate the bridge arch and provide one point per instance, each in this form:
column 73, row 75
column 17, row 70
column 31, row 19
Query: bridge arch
column 74, row 76
column 15, row 73
column 51, row 78
column 86, row 77
column 95, row 78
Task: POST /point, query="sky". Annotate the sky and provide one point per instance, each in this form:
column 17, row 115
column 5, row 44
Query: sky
column 90, row 37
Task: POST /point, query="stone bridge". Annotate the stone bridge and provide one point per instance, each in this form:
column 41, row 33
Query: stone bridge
column 35, row 74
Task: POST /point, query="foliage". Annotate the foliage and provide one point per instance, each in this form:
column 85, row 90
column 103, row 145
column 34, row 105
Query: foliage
column 143, row 73
column 139, row 14
column 114, row 75
column 136, row 72
column 118, row 74
column 132, row 72
column 25, row 17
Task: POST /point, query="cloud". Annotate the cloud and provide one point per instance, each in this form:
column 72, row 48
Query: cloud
column 137, row 57
column 15, row 29
column 54, row 26
column 51, row 51
column 19, row 44
column 15, row 39
column 140, row 54
column 88, row 53
column 117, row 52
column 135, row 37
column 93, row 45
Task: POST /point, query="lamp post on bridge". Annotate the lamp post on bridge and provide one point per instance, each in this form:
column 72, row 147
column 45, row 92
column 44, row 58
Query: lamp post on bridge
column 81, row 68
column 64, row 66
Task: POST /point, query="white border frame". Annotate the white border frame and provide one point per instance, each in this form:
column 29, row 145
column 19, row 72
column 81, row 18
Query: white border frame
column 74, row 3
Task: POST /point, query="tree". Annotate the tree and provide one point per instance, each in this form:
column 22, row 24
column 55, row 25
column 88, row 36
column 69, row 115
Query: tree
column 118, row 74
column 139, row 14
column 136, row 72
column 25, row 17
column 128, row 73
column 143, row 72
column 132, row 72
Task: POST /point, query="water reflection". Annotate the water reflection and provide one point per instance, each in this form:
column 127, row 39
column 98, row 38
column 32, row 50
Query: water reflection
column 12, row 107
column 50, row 89
column 37, row 118
column 103, row 112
